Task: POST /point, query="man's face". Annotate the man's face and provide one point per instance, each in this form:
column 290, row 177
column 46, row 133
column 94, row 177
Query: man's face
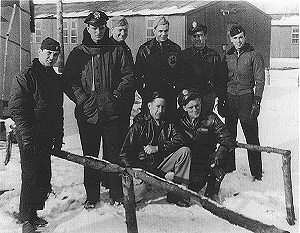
column 193, row 108
column 47, row 57
column 157, row 108
column 96, row 33
column 238, row 40
column 120, row 33
column 199, row 39
column 161, row 32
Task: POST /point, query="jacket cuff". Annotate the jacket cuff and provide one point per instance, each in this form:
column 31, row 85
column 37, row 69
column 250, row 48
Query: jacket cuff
column 82, row 98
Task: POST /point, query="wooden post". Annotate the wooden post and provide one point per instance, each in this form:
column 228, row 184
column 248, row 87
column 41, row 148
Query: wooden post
column 59, row 10
column 213, row 207
column 268, row 76
column 286, row 168
column 129, row 203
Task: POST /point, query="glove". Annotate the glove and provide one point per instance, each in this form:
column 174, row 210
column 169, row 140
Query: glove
column 255, row 107
column 222, row 108
column 57, row 145
column 216, row 157
column 146, row 159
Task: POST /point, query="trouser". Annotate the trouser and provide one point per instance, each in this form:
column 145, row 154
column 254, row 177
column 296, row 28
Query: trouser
column 209, row 101
column 239, row 107
column 36, row 176
column 90, row 136
column 178, row 162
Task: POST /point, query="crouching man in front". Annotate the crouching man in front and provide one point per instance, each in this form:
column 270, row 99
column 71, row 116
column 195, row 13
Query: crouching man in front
column 202, row 132
column 155, row 145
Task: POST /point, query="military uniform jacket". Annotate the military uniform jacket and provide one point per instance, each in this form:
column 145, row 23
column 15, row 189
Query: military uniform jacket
column 36, row 103
column 156, row 66
column 245, row 72
column 203, row 135
column 142, row 133
column 201, row 69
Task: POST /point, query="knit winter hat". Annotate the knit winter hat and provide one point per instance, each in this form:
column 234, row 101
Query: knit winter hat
column 50, row 44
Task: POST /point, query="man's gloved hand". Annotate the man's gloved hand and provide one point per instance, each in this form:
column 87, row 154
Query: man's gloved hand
column 221, row 107
column 146, row 159
column 216, row 157
column 255, row 107
column 57, row 145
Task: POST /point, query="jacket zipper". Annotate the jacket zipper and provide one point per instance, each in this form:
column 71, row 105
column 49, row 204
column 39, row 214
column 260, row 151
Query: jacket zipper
column 93, row 74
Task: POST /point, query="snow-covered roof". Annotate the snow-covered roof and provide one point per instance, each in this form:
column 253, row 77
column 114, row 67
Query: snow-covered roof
column 114, row 8
column 286, row 21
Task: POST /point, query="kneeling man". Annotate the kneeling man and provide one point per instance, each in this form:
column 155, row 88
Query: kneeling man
column 156, row 146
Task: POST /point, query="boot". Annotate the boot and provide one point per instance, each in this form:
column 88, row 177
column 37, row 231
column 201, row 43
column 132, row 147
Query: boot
column 28, row 227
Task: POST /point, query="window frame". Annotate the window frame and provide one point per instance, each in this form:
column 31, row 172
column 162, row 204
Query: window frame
column 38, row 27
column 295, row 35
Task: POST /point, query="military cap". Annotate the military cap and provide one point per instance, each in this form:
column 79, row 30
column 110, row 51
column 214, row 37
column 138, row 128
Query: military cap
column 195, row 27
column 186, row 95
column 50, row 44
column 118, row 21
column 96, row 18
column 154, row 95
column 160, row 21
column 236, row 29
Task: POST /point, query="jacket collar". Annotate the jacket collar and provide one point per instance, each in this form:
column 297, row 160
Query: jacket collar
column 246, row 48
column 149, row 118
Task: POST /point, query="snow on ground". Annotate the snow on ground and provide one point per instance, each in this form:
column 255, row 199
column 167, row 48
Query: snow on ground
column 263, row 201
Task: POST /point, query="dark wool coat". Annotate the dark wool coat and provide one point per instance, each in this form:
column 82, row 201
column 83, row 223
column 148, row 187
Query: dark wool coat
column 244, row 72
column 100, row 76
column 36, row 103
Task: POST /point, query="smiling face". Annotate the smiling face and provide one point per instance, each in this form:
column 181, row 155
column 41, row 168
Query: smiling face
column 161, row 32
column 238, row 40
column 47, row 57
column 193, row 108
column 199, row 39
column 157, row 108
column 96, row 33
column 120, row 33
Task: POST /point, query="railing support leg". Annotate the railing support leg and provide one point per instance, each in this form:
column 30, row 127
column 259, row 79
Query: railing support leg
column 129, row 203
column 287, row 179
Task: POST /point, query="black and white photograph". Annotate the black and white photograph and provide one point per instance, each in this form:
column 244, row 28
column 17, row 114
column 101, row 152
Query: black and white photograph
column 161, row 116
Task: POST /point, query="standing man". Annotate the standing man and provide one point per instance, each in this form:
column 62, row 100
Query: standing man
column 156, row 66
column 36, row 105
column 119, row 34
column 100, row 74
column 245, row 85
column 155, row 145
column 201, row 66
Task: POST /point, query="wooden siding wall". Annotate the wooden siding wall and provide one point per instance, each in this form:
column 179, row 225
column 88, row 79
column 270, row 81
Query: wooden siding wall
column 281, row 45
column 256, row 24
column 18, row 56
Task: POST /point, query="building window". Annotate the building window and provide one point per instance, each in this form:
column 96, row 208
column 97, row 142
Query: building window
column 295, row 35
column 38, row 31
column 74, row 32
column 149, row 28
column 65, row 32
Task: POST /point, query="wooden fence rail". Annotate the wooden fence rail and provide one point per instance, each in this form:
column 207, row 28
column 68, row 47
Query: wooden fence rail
column 287, row 176
column 129, row 200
